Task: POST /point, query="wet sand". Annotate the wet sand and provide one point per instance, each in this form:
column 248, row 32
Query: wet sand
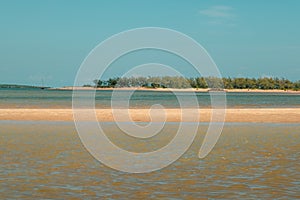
column 268, row 115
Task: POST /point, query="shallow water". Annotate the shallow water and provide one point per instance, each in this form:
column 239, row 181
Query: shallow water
column 47, row 160
column 37, row 98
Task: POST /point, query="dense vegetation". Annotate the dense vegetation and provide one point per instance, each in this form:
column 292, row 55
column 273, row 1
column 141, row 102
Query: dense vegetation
column 201, row 82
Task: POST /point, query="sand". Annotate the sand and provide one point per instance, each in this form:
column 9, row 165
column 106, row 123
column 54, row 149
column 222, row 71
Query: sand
column 268, row 115
column 177, row 90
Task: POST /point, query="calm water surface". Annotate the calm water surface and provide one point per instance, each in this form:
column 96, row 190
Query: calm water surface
column 37, row 98
column 252, row 161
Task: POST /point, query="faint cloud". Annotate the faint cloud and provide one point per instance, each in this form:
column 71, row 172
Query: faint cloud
column 219, row 15
column 218, row 12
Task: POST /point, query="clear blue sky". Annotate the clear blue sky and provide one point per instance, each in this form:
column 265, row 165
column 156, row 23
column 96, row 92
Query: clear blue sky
column 49, row 39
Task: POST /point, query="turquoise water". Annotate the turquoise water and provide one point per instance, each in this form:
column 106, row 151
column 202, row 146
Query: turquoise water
column 36, row 98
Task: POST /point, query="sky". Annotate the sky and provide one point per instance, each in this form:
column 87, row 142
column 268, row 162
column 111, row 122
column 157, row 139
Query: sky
column 46, row 41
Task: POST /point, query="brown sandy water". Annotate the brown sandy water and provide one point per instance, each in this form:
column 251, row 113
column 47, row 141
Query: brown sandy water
column 47, row 160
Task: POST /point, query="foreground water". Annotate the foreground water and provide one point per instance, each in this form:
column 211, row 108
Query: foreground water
column 47, row 160
column 37, row 98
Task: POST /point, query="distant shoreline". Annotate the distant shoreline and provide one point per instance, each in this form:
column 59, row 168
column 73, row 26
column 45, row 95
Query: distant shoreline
column 175, row 89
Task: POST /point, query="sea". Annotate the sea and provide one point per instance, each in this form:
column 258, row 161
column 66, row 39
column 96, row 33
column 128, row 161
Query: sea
column 37, row 98
column 47, row 160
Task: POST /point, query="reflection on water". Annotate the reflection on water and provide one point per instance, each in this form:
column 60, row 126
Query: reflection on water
column 249, row 161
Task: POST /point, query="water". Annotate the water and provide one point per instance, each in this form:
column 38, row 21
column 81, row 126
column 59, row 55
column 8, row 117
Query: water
column 36, row 98
column 46, row 160
column 252, row 161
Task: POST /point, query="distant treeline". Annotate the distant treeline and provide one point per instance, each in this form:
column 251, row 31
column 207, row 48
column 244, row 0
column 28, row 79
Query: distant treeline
column 20, row 86
column 200, row 82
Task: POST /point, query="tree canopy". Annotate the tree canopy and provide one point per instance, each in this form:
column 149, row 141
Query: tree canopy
column 265, row 83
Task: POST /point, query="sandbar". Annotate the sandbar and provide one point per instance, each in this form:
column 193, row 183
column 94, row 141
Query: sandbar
column 177, row 89
column 258, row 115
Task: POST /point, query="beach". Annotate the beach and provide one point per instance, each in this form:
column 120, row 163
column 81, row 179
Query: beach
column 138, row 100
column 256, row 155
column 175, row 89
column 255, row 115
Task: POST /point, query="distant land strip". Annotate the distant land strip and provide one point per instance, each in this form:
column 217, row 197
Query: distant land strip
column 177, row 82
